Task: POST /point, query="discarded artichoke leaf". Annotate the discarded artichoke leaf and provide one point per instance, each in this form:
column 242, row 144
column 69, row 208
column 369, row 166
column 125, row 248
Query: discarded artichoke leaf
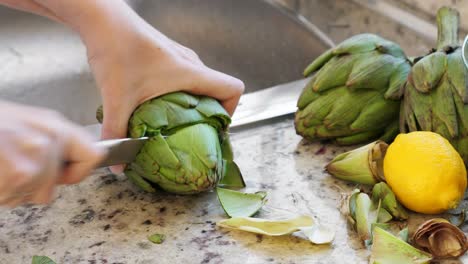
column 364, row 216
column 352, row 203
column 362, row 165
column 382, row 192
column 42, row 260
column 319, row 234
column 266, row 226
column 384, row 226
column 239, row 204
column 403, row 234
column 388, row 249
column 316, row 233
column 384, row 216
column 441, row 239
column 232, row 176
column 157, row 238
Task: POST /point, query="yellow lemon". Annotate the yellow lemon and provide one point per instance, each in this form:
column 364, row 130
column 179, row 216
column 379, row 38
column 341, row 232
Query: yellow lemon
column 425, row 172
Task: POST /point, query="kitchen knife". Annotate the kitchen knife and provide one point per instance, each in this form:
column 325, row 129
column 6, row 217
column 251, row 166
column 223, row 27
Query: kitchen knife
column 253, row 107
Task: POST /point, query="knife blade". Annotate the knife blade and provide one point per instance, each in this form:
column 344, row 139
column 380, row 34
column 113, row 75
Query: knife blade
column 276, row 101
column 120, row 151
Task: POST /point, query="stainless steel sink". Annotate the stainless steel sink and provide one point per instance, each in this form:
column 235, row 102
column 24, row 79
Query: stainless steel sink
column 43, row 63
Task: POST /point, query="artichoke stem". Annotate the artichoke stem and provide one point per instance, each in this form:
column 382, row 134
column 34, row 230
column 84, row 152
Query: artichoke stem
column 448, row 23
column 100, row 114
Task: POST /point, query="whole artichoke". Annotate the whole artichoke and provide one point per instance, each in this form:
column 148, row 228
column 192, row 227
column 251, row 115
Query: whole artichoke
column 354, row 96
column 435, row 95
column 188, row 150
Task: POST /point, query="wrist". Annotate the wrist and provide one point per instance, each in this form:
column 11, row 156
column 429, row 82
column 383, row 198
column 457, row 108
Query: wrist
column 93, row 20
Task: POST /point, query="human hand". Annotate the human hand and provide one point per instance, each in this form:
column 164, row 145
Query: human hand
column 132, row 62
column 34, row 142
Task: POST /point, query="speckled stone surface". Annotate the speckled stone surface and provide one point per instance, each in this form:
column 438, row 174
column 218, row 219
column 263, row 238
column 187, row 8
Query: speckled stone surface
column 107, row 220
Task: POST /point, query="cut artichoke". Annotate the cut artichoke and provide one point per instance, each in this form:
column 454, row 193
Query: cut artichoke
column 441, row 238
column 435, row 95
column 353, row 97
column 363, row 165
column 188, row 151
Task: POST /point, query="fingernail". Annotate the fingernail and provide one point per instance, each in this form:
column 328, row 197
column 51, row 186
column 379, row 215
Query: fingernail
column 117, row 169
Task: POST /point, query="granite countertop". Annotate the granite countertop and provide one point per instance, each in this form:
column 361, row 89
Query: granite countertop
column 105, row 219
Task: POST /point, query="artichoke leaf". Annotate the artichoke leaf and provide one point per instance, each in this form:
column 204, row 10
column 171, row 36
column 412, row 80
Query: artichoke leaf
column 382, row 192
column 319, row 234
column 42, row 260
column 372, row 73
column 304, row 223
column 318, row 62
column 397, row 81
column 358, row 44
column 231, row 176
column 388, row 249
column 238, row 204
column 428, row 71
column 441, row 238
column 157, row 238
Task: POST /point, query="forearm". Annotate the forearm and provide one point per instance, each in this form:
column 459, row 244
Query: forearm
column 90, row 18
column 29, row 6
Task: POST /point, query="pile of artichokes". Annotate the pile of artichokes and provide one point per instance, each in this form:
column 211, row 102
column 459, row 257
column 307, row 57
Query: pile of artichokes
column 188, row 151
column 358, row 86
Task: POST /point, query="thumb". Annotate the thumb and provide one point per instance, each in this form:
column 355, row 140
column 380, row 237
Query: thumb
column 114, row 125
column 115, row 121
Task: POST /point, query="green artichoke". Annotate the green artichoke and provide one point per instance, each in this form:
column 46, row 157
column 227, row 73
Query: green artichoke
column 354, row 96
column 188, row 151
column 435, row 95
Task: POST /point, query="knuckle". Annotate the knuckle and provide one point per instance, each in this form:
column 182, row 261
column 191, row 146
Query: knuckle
column 38, row 143
column 191, row 53
column 20, row 175
column 239, row 86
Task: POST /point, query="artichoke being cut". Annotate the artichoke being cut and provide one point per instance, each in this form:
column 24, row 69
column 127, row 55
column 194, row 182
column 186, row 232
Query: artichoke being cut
column 354, row 96
column 188, row 151
column 435, row 95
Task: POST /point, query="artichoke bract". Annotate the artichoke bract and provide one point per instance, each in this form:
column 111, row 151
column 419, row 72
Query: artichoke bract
column 435, row 95
column 354, row 95
column 188, row 150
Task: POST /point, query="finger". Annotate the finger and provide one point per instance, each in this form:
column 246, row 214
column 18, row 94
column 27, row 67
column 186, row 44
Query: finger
column 20, row 179
column 117, row 169
column 13, row 202
column 49, row 174
column 218, row 85
column 83, row 156
column 45, row 192
column 115, row 125
column 115, row 121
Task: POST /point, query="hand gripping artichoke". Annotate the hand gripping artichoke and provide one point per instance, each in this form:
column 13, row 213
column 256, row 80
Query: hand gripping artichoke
column 435, row 95
column 188, row 151
column 354, row 96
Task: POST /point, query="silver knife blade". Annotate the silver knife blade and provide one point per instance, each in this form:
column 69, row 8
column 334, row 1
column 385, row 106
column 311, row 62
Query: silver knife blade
column 268, row 103
column 120, row 151
column 279, row 100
